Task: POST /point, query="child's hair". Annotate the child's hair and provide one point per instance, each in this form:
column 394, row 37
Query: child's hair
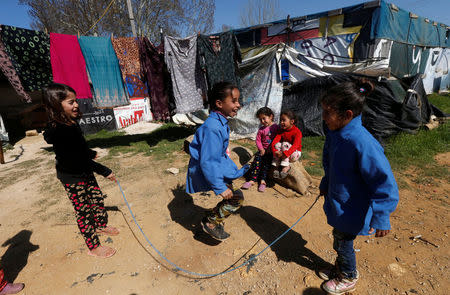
column 290, row 114
column 348, row 96
column 54, row 94
column 219, row 91
column 264, row 111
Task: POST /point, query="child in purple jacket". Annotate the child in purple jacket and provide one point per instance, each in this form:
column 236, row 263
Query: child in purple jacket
column 263, row 158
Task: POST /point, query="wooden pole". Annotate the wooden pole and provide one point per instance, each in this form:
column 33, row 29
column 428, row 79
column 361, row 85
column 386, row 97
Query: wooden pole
column 131, row 16
column 2, row 159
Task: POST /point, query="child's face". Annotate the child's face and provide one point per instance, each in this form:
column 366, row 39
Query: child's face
column 286, row 122
column 265, row 120
column 332, row 118
column 70, row 106
column 230, row 105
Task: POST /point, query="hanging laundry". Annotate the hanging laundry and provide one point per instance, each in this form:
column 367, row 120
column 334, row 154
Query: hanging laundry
column 68, row 64
column 10, row 73
column 158, row 78
column 29, row 52
column 127, row 51
column 219, row 57
column 104, row 71
column 189, row 86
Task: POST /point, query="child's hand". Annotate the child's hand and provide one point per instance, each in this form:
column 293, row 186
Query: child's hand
column 379, row 233
column 228, row 194
column 111, row 177
column 278, row 154
column 262, row 152
column 323, row 193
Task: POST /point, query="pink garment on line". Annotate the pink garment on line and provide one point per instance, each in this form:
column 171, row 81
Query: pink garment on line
column 68, row 65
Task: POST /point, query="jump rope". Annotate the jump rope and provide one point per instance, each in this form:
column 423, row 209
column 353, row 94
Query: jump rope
column 231, row 267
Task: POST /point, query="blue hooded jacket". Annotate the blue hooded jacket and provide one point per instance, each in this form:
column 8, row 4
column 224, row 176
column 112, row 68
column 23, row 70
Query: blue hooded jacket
column 210, row 168
column 361, row 189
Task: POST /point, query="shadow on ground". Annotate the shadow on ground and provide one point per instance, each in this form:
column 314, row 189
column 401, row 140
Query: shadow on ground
column 313, row 291
column 290, row 248
column 16, row 256
column 186, row 213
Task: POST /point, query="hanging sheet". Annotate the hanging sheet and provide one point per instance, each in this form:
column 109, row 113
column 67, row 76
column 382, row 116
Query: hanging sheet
column 219, row 57
column 104, row 71
column 442, row 71
column 261, row 86
column 158, row 78
column 127, row 51
column 29, row 52
column 334, row 25
column 68, row 65
column 188, row 81
column 10, row 73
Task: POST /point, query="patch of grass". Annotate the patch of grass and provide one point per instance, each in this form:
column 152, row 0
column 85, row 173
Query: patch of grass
column 441, row 101
column 247, row 143
column 159, row 144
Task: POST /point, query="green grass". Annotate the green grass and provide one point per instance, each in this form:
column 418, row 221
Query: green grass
column 442, row 102
column 159, row 144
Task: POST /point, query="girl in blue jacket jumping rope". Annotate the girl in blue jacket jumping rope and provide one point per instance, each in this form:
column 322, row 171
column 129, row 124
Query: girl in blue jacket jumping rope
column 359, row 187
column 210, row 167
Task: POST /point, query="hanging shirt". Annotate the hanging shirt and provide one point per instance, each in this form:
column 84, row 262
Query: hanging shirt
column 127, row 51
column 155, row 72
column 29, row 52
column 68, row 65
column 218, row 57
column 10, row 73
column 189, row 87
column 104, row 71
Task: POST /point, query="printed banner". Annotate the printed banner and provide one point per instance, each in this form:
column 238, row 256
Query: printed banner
column 137, row 111
column 94, row 119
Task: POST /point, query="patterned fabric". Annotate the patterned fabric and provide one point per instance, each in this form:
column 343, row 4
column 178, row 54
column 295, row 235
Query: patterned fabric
column 219, row 58
column 189, row 87
column 260, row 166
column 88, row 202
column 158, row 78
column 68, row 65
column 127, row 50
column 3, row 281
column 10, row 73
column 226, row 207
column 284, row 146
column 104, row 71
column 30, row 54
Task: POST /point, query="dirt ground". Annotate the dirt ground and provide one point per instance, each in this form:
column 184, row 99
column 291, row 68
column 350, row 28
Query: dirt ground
column 41, row 245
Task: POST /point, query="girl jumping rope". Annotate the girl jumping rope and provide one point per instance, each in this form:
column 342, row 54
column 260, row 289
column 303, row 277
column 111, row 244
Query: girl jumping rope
column 359, row 187
column 263, row 158
column 75, row 167
column 210, row 167
column 287, row 145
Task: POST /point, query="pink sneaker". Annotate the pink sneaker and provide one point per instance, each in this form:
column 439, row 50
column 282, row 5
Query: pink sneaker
column 247, row 185
column 262, row 187
column 12, row 288
column 339, row 286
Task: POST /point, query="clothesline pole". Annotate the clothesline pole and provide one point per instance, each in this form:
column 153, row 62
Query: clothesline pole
column 2, row 159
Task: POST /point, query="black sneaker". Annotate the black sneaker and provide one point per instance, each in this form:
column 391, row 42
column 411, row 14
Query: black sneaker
column 217, row 232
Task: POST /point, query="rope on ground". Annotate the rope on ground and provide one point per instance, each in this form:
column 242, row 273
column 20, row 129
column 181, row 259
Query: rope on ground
column 100, row 18
column 228, row 270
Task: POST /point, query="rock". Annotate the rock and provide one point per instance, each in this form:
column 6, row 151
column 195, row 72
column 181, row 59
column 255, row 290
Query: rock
column 173, row 170
column 396, row 270
column 298, row 179
column 31, row 132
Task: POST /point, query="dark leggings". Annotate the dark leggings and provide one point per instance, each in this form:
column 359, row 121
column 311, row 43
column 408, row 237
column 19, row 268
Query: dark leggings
column 260, row 166
column 88, row 202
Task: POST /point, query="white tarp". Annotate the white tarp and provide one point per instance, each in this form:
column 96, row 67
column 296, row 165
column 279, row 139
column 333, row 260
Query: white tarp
column 3, row 134
column 442, row 70
column 137, row 111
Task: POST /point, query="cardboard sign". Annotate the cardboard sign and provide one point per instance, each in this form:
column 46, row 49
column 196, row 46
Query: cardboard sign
column 137, row 111
column 94, row 119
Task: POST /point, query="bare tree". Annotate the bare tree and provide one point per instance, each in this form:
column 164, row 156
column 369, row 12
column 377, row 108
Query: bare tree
column 256, row 12
column 175, row 17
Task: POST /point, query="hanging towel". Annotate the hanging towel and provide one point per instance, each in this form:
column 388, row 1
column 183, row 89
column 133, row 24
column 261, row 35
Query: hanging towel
column 29, row 52
column 158, row 78
column 189, row 87
column 10, row 73
column 104, row 71
column 219, row 57
column 68, row 64
column 127, row 51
